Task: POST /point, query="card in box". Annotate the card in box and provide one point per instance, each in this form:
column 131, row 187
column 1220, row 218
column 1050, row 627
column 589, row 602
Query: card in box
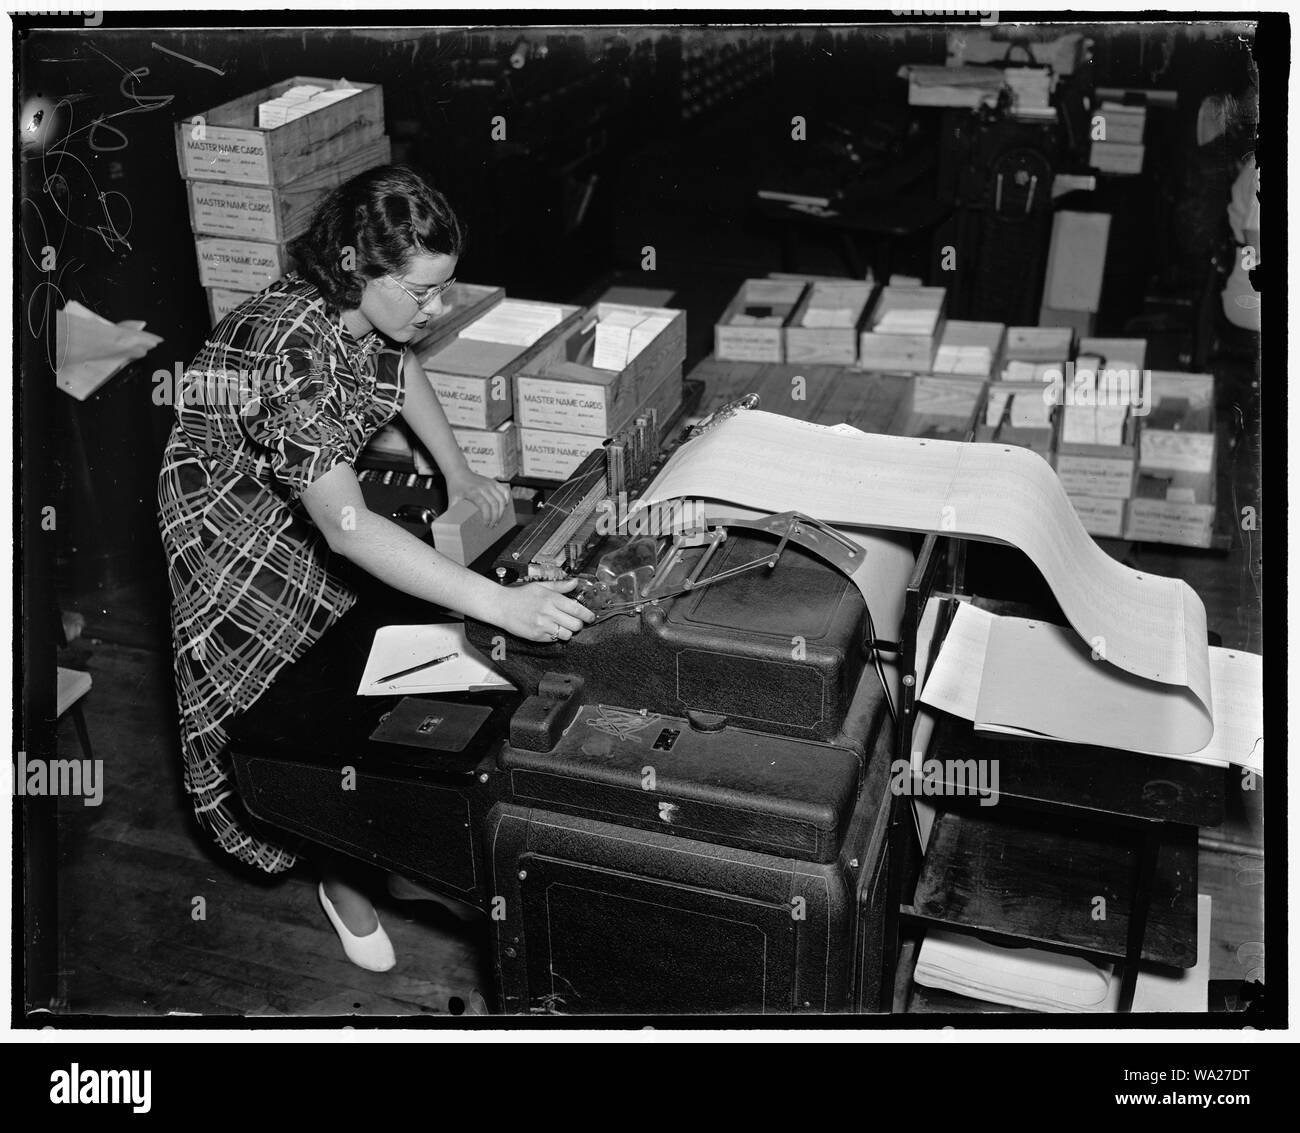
column 904, row 329
column 1100, row 515
column 969, row 349
column 254, row 212
column 240, row 265
column 558, row 389
column 491, row 452
column 1177, row 448
column 473, row 378
column 752, row 328
column 226, row 143
column 827, row 323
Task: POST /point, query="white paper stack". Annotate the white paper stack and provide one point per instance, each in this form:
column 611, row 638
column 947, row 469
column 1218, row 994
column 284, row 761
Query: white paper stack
column 1018, row 370
column 901, row 320
column 1094, row 424
column 832, row 305
column 975, row 360
column 297, row 101
column 1030, row 411
column 514, row 322
column 1038, row 980
column 622, row 335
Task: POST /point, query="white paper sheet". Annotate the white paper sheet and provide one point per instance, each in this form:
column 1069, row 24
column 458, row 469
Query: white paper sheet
column 398, row 647
column 1056, row 689
column 1153, row 627
column 91, row 349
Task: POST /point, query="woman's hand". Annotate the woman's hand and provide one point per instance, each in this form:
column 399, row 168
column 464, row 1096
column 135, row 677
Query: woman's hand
column 539, row 611
column 490, row 496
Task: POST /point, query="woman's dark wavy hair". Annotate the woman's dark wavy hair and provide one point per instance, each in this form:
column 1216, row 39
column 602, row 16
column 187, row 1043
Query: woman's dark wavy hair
column 385, row 216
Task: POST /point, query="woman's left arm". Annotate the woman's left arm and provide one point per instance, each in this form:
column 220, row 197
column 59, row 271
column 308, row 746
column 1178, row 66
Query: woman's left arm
column 424, row 414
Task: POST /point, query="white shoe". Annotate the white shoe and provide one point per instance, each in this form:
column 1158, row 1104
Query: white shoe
column 374, row 951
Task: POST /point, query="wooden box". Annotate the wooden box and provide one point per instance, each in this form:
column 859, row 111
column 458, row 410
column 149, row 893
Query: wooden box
column 1100, row 470
column 462, row 303
column 774, row 300
column 969, row 349
column 822, row 342
column 1100, row 515
column 938, row 406
column 491, row 452
column 226, row 144
column 1039, row 344
column 221, row 301
column 882, row 347
column 240, row 265
column 547, row 454
column 1115, row 353
column 473, row 379
column 559, row 390
column 255, row 212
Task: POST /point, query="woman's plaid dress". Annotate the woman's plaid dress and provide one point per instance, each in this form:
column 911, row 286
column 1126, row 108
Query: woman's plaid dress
column 279, row 395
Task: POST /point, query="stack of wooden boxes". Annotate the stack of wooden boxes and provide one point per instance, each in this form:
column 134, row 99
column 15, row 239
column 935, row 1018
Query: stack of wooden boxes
column 473, row 374
column 566, row 406
column 1096, row 448
column 1174, row 498
column 251, row 189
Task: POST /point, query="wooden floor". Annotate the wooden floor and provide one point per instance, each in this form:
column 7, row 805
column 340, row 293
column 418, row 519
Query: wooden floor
column 134, row 870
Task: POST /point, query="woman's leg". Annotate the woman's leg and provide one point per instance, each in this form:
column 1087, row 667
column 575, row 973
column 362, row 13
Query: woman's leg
column 344, row 882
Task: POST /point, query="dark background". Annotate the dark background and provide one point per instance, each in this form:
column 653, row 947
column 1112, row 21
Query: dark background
column 665, row 133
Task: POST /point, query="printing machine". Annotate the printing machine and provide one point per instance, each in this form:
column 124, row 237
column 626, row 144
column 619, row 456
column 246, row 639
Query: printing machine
column 684, row 809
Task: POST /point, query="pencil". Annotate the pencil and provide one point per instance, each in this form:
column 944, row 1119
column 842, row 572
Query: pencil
column 415, row 668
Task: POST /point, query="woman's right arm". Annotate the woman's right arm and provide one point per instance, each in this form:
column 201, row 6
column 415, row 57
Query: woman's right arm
column 393, row 555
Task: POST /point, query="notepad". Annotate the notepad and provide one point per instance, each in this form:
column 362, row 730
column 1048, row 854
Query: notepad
column 399, row 647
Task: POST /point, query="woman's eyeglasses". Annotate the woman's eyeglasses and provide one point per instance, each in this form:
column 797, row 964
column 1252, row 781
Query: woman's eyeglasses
column 426, row 294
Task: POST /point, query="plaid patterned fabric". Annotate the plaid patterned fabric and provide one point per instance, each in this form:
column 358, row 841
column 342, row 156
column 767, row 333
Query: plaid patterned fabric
column 279, row 395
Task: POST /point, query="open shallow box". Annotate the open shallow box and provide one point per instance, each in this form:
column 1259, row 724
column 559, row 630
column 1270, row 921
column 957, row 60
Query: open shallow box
column 771, row 300
column 846, row 301
column 474, row 379
column 559, row 390
column 884, row 348
column 226, row 144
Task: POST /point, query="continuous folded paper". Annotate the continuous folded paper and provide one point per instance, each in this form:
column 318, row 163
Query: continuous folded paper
column 1029, row 678
column 1153, row 627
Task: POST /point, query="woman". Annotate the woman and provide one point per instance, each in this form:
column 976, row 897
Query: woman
column 257, row 489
